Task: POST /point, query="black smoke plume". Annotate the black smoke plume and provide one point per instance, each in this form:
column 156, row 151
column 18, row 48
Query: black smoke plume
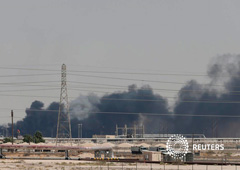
column 88, row 111
column 39, row 119
column 216, row 98
column 193, row 99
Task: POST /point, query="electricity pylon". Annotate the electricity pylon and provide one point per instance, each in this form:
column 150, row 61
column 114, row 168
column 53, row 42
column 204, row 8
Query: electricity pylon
column 63, row 124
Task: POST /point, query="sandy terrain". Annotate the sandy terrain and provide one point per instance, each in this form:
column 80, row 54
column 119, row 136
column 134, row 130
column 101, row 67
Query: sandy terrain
column 123, row 150
column 84, row 165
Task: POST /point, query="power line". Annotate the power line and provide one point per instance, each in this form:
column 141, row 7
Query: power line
column 141, row 100
column 146, row 114
column 28, row 90
column 169, row 114
column 116, row 72
column 154, row 89
column 14, row 95
column 31, row 82
column 72, row 89
column 28, row 75
column 125, row 68
column 120, row 78
column 139, row 80
column 33, row 85
column 99, row 87
column 136, row 73
column 116, row 78
column 76, row 82
column 28, row 69
column 105, row 92
column 181, row 101
column 124, row 88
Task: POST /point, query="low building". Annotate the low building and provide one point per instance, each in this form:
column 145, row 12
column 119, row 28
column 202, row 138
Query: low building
column 104, row 136
column 152, row 156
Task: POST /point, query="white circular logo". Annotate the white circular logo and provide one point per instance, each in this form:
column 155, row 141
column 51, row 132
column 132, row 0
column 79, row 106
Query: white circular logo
column 177, row 146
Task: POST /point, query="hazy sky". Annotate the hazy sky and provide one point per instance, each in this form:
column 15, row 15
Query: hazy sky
column 168, row 36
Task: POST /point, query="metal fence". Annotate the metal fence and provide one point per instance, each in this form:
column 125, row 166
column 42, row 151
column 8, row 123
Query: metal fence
column 141, row 166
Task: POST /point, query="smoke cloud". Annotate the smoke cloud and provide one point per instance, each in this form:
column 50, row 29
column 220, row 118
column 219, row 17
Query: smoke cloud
column 223, row 69
column 38, row 118
column 82, row 106
column 193, row 99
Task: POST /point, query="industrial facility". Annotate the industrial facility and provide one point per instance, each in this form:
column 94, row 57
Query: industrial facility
column 130, row 143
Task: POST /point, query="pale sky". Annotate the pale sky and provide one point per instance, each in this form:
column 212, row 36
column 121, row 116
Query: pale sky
column 129, row 35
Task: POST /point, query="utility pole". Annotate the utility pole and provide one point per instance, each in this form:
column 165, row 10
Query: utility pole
column 163, row 130
column 63, row 124
column 214, row 128
column 116, row 133
column 7, row 132
column 134, row 130
column 167, row 131
column 79, row 132
column 12, row 125
column 126, row 131
column 143, row 131
column 192, row 142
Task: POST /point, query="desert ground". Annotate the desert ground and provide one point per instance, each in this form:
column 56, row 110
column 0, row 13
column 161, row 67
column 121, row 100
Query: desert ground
column 46, row 161
column 86, row 165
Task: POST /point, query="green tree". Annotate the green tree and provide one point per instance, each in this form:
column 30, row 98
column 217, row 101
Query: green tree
column 37, row 138
column 6, row 140
column 27, row 138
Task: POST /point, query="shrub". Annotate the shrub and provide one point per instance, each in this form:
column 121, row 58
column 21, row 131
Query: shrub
column 27, row 138
column 6, row 140
column 38, row 138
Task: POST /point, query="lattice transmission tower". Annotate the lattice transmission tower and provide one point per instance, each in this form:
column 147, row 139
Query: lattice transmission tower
column 63, row 124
